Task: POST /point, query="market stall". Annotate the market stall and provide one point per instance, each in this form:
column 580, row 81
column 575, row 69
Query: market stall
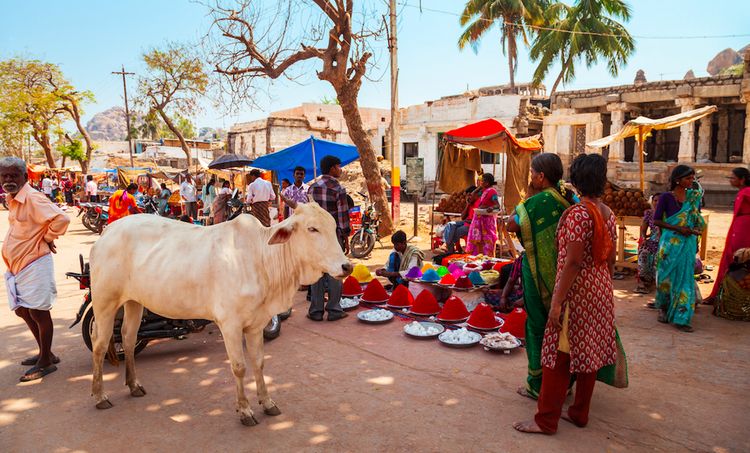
column 461, row 161
column 641, row 128
column 306, row 154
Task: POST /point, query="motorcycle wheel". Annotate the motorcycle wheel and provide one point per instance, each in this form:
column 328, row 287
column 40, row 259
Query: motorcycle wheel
column 86, row 221
column 87, row 330
column 273, row 329
column 361, row 244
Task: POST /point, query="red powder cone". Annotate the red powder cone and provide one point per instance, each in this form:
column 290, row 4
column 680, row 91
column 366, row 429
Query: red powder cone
column 351, row 287
column 447, row 280
column 501, row 264
column 375, row 292
column 425, row 304
column 483, row 317
column 454, row 309
column 515, row 323
column 401, row 297
column 464, row 283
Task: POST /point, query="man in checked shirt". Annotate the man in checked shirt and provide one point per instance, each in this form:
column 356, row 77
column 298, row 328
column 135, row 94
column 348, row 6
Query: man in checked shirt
column 331, row 196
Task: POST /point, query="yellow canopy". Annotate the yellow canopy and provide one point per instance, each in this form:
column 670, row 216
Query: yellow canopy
column 643, row 125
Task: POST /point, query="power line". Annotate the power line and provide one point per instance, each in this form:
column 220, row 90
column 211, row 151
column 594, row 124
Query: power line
column 611, row 35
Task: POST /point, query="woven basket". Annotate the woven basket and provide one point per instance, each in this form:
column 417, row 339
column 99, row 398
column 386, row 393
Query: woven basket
column 733, row 301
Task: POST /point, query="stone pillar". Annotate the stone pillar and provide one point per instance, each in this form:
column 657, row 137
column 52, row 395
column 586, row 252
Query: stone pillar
column 746, row 142
column 617, row 149
column 687, row 132
column 722, row 137
column 704, row 139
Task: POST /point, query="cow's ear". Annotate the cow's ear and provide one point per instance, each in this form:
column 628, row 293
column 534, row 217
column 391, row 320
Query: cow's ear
column 281, row 235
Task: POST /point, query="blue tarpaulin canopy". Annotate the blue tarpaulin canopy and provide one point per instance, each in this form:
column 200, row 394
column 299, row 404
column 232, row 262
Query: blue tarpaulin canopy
column 307, row 154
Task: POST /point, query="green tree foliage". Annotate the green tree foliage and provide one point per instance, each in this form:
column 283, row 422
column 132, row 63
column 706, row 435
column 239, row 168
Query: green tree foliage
column 511, row 16
column 73, row 150
column 174, row 82
column 733, row 70
column 36, row 97
column 586, row 31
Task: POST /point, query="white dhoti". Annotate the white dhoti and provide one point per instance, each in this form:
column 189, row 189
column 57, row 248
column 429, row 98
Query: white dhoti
column 34, row 286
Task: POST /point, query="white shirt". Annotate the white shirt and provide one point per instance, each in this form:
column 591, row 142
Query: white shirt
column 91, row 188
column 225, row 191
column 260, row 190
column 187, row 192
column 47, row 186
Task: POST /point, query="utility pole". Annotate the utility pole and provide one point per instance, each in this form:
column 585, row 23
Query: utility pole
column 127, row 111
column 395, row 154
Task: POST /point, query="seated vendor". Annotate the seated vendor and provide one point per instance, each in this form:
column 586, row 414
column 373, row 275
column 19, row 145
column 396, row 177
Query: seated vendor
column 403, row 258
column 460, row 229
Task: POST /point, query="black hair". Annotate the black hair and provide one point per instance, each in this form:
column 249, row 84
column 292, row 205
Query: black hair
column 588, row 173
column 551, row 166
column 679, row 172
column 742, row 173
column 90, row 178
column 255, row 172
column 398, row 237
column 186, row 218
column 470, row 189
column 299, row 168
column 210, row 182
column 328, row 162
column 132, row 186
column 163, row 185
column 489, row 179
column 286, row 180
column 225, row 184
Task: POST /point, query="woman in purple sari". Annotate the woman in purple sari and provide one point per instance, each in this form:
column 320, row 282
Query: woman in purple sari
column 483, row 230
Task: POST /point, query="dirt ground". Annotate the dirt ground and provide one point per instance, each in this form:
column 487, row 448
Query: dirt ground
column 347, row 386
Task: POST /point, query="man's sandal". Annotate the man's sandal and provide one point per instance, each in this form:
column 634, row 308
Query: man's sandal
column 34, row 373
column 33, row 360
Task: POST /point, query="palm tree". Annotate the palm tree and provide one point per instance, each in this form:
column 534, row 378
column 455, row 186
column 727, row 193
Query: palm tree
column 512, row 16
column 585, row 32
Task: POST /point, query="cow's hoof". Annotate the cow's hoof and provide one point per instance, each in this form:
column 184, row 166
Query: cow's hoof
column 104, row 404
column 138, row 391
column 272, row 411
column 248, row 420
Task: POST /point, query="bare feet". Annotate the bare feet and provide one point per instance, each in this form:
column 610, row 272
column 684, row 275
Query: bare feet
column 523, row 392
column 567, row 418
column 528, row 426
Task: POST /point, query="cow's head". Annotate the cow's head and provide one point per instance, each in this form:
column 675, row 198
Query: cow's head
column 311, row 232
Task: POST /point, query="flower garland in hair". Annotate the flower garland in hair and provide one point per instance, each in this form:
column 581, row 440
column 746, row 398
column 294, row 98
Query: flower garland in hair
column 561, row 186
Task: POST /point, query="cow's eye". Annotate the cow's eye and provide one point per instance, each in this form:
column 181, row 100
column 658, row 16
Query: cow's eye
column 312, row 229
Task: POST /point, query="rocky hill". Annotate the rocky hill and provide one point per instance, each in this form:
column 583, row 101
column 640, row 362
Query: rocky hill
column 724, row 59
column 108, row 125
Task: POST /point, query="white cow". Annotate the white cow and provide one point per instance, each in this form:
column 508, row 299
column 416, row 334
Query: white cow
column 237, row 274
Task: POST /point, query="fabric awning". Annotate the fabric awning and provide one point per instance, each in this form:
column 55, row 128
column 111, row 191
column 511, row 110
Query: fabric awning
column 491, row 136
column 643, row 125
column 307, row 154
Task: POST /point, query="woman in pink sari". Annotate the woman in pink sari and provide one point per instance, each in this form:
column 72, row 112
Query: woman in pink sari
column 483, row 230
column 739, row 231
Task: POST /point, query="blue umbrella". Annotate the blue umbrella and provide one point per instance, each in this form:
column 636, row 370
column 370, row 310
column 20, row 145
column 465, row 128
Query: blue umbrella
column 306, row 154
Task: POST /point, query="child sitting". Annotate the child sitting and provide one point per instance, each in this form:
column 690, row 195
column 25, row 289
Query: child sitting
column 403, row 258
column 648, row 245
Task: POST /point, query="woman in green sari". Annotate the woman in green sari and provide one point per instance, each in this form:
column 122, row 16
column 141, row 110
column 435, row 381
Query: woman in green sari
column 535, row 223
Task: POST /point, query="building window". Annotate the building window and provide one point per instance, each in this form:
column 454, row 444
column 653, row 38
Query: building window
column 578, row 137
column 411, row 149
column 383, row 147
column 489, row 158
column 253, row 144
column 321, row 118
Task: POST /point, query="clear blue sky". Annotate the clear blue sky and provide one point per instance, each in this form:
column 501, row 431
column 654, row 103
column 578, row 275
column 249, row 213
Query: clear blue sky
column 90, row 39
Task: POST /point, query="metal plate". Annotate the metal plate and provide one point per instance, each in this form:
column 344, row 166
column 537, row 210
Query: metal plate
column 361, row 313
column 460, row 345
column 426, row 324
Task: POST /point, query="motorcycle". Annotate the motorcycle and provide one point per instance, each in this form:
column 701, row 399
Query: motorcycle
column 363, row 240
column 153, row 326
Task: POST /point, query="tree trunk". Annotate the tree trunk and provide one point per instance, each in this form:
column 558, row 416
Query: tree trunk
column 560, row 76
column 76, row 114
column 348, row 100
column 42, row 138
column 511, row 55
column 179, row 136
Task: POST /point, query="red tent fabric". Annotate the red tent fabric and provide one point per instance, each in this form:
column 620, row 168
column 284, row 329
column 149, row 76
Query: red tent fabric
column 491, row 135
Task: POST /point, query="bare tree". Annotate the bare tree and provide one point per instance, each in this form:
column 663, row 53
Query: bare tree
column 175, row 81
column 252, row 44
column 70, row 102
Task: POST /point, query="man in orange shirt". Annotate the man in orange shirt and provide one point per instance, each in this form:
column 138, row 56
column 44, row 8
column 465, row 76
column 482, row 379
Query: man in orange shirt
column 34, row 223
column 122, row 203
